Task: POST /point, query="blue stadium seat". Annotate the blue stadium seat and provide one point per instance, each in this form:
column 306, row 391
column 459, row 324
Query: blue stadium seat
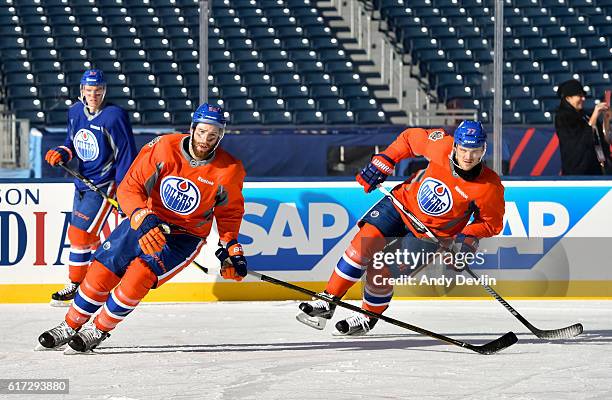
column 35, row 117
column 554, row 66
column 145, row 92
column 239, row 104
column 538, row 118
column 234, row 91
column 361, row 104
column 173, row 92
column 271, row 55
column 526, row 105
column 308, row 117
column 25, row 104
column 245, row 118
column 331, row 104
column 123, row 102
column 19, row 78
column 276, row 118
column 582, row 66
column 156, row 118
column 269, row 104
column 367, row 117
column 355, row 91
column 301, row 103
column 338, row 117
column 512, row 118
column 259, row 92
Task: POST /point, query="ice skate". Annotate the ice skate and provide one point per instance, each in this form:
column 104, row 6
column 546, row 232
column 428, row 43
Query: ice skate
column 316, row 313
column 62, row 298
column 55, row 338
column 355, row 325
column 86, row 340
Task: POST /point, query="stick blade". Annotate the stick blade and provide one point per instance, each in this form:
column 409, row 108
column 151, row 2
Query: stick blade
column 564, row 333
column 496, row 345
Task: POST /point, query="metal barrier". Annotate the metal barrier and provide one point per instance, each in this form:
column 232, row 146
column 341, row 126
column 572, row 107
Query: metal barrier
column 14, row 141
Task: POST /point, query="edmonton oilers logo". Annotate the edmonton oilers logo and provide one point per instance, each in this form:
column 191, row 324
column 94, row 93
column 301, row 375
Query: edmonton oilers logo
column 86, row 145
column 434, row 197
column 179, row 195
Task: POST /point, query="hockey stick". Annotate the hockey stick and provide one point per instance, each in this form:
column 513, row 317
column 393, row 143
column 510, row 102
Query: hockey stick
column 563, row 333
column 90, row 185
column 488, row 348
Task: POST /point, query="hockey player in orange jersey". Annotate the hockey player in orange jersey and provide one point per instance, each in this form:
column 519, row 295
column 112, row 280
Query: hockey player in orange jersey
column 455, row 187
column 173, row 190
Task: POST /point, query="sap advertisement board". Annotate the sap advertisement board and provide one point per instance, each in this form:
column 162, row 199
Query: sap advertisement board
column 556, row 241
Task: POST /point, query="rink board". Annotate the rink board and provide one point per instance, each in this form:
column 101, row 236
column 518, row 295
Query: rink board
column 296, row 231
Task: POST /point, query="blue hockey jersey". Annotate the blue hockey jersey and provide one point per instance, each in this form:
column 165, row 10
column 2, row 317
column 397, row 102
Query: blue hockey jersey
column 102, row 142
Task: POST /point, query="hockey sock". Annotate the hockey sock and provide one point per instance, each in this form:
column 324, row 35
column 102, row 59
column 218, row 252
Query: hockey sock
column 377, row 292
column 92, row 293
column 133, row 287
column 355, row 259
column 81, row 243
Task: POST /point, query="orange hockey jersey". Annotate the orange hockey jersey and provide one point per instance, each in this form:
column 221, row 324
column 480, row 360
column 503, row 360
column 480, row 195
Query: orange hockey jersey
column 185, row 192
column 438, row 197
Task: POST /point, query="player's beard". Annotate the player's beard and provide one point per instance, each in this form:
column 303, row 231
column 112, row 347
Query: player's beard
column 200, row 150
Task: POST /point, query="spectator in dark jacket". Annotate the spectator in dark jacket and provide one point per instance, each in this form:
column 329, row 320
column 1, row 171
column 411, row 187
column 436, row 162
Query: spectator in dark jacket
column 584, row 149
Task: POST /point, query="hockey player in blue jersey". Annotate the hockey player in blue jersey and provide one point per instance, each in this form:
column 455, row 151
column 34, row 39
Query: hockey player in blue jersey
column 100, row 136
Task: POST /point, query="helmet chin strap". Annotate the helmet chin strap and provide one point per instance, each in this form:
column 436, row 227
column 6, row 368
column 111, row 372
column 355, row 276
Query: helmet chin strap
column 84, row 100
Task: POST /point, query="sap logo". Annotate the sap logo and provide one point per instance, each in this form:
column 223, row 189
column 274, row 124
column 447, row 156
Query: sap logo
column 288, row 231
column 526, row 239
column 545, row 219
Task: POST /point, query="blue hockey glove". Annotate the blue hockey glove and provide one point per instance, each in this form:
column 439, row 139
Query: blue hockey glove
column 236, row 268
column 376, row 172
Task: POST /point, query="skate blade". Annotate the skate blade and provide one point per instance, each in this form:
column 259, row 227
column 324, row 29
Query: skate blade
column 313, row 322
column 40, row 347
column 337, row 333
column 60, row 303
column 71, row 352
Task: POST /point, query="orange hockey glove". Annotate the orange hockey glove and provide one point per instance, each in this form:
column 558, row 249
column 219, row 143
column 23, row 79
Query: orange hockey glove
column 147, row 225
column 59, row 154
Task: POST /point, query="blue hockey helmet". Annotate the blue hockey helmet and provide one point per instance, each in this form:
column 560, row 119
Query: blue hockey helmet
column 93, row 77
column 208, row 114
column 470, row 134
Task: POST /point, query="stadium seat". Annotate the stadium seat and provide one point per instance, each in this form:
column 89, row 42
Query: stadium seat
column 371, row 117
column 301, row 103
column 248, row 118
column 308, row 117
column 339, row 117
column 332, row 104
column 276, row 118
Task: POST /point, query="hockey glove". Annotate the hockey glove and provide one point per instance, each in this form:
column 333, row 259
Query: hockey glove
column 376, row 172
column 148, row 227
column 463, row 247
column 59, row 154
column 233, row 262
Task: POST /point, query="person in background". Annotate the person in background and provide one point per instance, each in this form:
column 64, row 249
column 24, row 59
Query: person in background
column 583, row 145
column 100, row 136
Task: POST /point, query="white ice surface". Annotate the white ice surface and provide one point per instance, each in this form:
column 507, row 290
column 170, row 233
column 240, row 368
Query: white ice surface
column 257, row 350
